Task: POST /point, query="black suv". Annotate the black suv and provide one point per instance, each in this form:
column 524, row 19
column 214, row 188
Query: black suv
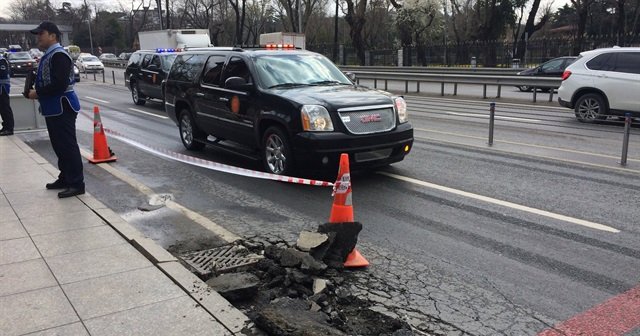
column 146, row 73
column 292, row 109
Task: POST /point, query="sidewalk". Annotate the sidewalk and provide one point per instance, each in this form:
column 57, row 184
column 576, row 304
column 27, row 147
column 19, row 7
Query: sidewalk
column 74, row 267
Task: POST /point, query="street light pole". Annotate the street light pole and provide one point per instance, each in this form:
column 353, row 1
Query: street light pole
column 89, row 22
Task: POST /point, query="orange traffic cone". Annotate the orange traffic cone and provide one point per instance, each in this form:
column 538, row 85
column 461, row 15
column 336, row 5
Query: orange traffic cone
column 342, row 208
column 101, row 151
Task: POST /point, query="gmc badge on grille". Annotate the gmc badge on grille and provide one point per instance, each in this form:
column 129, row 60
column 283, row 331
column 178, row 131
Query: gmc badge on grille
column 370, row 118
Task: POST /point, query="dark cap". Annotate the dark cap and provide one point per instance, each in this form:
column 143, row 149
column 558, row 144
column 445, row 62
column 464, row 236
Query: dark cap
column 48, row 26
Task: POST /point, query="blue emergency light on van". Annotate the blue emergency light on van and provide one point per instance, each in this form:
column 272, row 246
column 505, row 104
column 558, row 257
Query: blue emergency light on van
column 161, row 50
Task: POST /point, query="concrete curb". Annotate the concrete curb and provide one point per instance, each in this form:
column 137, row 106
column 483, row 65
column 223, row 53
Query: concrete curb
column 217, row 306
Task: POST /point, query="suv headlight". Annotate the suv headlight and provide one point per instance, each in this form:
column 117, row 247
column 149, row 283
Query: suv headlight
column 315, row 118
column 401, row 108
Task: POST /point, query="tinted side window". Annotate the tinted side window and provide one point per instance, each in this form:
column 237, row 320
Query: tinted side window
column 213, row 70
column 603, row 62
column 156, row 61
column 628, row 62
column 555, row 65
column 134, row 59
column 146, row 60
column 237, row 68
column 187, row 67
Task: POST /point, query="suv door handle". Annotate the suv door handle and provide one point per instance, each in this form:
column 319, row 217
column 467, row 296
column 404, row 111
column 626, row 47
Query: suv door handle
column 199, row 94
column 223, row 99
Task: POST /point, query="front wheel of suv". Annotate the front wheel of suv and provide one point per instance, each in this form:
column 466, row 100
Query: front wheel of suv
column 590, row 108
column 276, row 152
column 192, row 137
column 138, row 99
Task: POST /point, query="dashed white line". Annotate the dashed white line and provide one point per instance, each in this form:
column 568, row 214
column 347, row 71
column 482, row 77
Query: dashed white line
column 98, row 100
column 544, row 213
column 151, row 114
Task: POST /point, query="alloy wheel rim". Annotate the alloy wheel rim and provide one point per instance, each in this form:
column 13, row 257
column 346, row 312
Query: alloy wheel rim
column 134, row 92
column 274, row 154
column 187, row 132
column 589, row 109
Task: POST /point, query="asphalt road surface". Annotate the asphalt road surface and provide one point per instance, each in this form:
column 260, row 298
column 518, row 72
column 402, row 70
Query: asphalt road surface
column 462, row 237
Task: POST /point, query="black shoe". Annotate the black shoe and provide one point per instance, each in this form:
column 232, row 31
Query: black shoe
column 73, row 191
column 58, row 184
column 5, row 132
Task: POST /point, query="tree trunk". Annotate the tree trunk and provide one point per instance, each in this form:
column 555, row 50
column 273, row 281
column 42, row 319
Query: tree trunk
column 621, row 23
column 356, row 19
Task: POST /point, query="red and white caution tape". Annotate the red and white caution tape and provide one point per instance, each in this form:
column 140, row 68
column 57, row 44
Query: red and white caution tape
column 214, row 165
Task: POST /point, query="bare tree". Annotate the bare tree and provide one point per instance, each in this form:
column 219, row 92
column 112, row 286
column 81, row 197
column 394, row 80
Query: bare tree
column 259, row 13
column 582, row 11
column 414, row 18
column 356, row 18
column 530, row 27
column 24, row 10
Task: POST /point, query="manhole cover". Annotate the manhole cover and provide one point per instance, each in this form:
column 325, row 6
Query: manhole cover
column 220, row 259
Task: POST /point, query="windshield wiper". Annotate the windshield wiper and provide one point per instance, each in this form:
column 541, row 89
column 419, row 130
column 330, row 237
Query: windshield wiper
column 325, row 82
column 285, row 85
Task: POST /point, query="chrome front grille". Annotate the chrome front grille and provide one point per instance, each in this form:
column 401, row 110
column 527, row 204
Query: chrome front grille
column 368, row 119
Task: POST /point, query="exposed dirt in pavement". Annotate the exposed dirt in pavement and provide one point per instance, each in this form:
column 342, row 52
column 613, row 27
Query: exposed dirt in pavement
column 282, row 300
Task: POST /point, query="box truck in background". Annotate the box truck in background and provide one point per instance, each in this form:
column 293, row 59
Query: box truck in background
column 174, row 38
column 297, row 39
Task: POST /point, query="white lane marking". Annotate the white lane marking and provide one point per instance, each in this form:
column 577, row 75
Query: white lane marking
column 205, row 222
column 151, row 114
column 504, row 203
column 98, row 100
column 524, row 144
column 486, row 116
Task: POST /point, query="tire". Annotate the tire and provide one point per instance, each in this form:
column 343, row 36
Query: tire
column 525, row 88
column 591, row 108
column 137, row 97
column 277, row 156
column 192, row 137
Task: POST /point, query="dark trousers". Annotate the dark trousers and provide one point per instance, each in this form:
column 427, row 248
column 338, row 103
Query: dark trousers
column 62, row 132
column 5, row 111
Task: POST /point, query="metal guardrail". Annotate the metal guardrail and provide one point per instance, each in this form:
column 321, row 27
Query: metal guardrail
column 437, row 70
column 485, row 80
column 115, row 63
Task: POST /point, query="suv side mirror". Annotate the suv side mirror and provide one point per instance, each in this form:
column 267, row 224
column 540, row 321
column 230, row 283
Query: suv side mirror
column 237, row 83
column 351, row 76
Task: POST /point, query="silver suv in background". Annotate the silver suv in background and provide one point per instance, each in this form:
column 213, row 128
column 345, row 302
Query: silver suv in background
column 601, row 83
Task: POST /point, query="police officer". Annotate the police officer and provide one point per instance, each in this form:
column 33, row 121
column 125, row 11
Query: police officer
column 5, row 108
column 59, row 105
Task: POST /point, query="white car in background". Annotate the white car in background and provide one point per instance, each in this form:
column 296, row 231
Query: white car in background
column 108, row 57
column 89, row 63
column 601, row 83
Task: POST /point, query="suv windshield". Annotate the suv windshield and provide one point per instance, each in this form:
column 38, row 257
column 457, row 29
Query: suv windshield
column 20, row 56
column 295, row 69
column 90, row 59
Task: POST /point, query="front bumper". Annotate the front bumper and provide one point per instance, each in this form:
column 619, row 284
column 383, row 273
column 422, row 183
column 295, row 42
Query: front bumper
column 21, row 69
column 321, row 151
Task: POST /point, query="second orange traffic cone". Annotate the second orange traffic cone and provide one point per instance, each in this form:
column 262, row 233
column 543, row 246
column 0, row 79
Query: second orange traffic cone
column 101, row 151
column 342, row 208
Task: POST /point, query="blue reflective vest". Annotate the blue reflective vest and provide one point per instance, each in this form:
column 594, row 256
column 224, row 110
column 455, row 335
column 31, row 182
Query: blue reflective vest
column 5, row 79
column 52, row 105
